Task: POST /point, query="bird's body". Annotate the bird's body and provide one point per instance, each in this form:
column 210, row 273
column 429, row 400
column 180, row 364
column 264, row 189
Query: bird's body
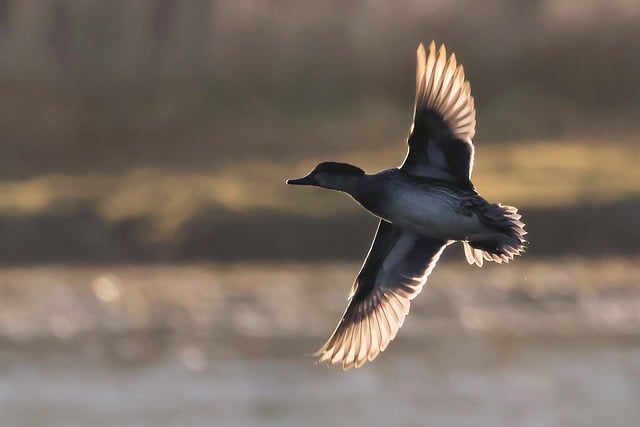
column 428, row 207
column 424, row 205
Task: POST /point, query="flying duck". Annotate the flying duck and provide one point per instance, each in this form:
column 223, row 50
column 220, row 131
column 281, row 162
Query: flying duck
column 426, row 204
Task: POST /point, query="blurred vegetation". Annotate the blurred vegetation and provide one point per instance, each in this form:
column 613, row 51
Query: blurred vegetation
column 160, row 120
column 536, row 174
column 210, row 303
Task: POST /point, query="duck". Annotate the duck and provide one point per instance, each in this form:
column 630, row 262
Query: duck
column 423, row 206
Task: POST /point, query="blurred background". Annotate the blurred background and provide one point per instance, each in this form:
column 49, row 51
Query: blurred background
column 156, row 271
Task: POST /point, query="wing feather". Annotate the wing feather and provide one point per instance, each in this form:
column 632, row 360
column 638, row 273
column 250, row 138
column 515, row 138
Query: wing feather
column 444, row 119
column 394, row 272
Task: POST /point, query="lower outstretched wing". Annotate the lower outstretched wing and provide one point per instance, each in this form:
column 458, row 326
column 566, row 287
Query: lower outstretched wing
column 393, row 273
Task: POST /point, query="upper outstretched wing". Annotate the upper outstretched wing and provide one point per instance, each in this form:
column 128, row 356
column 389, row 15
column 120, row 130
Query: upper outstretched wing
column 393, row 273
column 444, row 120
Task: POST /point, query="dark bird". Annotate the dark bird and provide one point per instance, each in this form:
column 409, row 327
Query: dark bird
column 424, row 205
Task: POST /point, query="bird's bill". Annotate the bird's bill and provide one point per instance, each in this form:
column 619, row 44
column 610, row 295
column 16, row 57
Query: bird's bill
column 305, row 180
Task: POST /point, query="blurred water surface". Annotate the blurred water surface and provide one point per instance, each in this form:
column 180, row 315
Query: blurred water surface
column 534, row 343
column 447, row 382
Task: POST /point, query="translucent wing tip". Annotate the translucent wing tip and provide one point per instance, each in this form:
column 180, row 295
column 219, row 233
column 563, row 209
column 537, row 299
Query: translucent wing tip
column 441, row 87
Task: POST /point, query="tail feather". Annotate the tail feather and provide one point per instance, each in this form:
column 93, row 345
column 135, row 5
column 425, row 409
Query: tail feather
column 501, row 246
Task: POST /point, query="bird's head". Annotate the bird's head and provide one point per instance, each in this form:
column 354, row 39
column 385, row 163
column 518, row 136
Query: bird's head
column 332, row 175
